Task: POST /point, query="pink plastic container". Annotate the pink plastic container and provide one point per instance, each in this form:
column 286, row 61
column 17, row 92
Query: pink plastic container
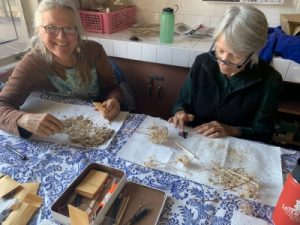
column 103, row 22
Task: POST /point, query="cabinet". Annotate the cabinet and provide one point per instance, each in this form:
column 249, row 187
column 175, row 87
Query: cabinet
column 155, row 86
column 288, row 122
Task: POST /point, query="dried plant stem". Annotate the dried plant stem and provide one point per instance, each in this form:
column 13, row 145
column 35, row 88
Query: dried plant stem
column 236, row 186
column 155, row 163
column 141, row 132
column 235, row 175
column 228, row 175
column 185, row 150
column 246, row 179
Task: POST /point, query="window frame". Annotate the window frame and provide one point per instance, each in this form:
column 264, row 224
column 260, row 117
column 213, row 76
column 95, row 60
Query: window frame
column 26, row 9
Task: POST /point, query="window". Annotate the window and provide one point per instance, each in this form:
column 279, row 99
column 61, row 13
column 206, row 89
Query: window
column 13, row 32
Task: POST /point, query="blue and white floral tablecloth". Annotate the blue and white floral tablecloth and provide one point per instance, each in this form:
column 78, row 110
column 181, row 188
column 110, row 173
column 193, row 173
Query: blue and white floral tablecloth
column 56, row 166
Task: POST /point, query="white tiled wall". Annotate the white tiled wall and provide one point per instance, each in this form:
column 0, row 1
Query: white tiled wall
column 194, row 12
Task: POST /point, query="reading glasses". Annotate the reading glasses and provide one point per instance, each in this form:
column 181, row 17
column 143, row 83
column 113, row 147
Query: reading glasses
column 55, row 30
column 213, row 56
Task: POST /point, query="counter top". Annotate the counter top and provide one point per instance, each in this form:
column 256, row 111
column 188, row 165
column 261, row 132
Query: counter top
column 182, row 52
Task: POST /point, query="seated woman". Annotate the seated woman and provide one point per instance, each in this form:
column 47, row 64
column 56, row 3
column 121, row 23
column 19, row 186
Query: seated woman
column 59, row 62
column 229, row 90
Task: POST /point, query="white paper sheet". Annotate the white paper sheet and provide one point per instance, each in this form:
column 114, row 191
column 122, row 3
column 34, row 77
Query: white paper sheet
column 262, row 160
column 35, row 104
column 239, row 218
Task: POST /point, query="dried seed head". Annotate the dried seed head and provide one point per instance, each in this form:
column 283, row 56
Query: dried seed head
column 83, row 132
column 158, row 134
column 150, row 163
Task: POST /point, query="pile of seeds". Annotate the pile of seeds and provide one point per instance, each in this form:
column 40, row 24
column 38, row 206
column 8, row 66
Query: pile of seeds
column 158, row 134
column 82, row 131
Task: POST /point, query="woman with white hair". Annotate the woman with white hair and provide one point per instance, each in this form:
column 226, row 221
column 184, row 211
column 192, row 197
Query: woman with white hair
column 229, row 90
column 59, row 62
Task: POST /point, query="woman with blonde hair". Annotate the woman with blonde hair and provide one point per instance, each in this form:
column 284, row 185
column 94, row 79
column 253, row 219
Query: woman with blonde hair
column 59, row 62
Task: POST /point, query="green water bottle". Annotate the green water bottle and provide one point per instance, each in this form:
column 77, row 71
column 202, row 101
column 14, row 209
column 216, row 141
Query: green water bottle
column 167, row 23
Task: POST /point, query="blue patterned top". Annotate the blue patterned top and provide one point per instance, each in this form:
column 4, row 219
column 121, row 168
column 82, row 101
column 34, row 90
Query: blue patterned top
column 71, row 86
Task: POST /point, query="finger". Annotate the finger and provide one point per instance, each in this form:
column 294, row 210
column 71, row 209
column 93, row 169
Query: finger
column 110, row 115
column 52, row 119
column 176, row 121
column 190, row 117
column 201, row 129
column 181, row 124
column 107, row 106
column 99, row 106
column 171, row 120
column 215, row 135
column 43, row 131
column 48, row 127
column 54, row 124
column 110, row 104
column 209, row 131
column 197, row 130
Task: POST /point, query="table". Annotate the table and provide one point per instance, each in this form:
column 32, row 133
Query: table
column 56, row 166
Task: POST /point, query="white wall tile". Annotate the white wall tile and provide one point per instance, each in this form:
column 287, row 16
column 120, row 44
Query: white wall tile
column 144, row 17
column 120, row 49
column 107, row 45
column 180, row 57
column 203, row 46
column 293, row 74
column 149, row 53
column 164, row 55
column 148, row 10
column 134, row 51
column 281, row 65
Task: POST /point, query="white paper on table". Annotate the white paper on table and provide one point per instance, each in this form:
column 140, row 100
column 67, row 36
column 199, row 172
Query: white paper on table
column 134, row 149
column 262, row 160
column 239, row 218
column 265, row 162
column 60, row 110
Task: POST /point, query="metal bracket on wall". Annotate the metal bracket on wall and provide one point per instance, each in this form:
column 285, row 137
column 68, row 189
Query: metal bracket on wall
column 150, row 82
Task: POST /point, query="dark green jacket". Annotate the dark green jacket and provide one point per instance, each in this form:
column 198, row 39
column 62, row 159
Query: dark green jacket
column 247, row 100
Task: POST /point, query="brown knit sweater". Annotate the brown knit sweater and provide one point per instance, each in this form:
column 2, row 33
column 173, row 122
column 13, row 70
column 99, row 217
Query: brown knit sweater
column 31, row 74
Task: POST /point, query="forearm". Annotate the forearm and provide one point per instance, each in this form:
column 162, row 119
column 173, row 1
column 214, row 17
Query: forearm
column 8, row 120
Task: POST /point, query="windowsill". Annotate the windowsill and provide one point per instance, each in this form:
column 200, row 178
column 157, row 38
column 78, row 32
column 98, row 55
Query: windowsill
column 12, row 50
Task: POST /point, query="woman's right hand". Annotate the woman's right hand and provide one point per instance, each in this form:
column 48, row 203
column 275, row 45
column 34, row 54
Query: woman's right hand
column 40, row 124
column 180, row 118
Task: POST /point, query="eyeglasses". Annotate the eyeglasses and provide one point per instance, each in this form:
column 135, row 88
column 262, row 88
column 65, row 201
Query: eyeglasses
column 227, row 63
column 55, row 30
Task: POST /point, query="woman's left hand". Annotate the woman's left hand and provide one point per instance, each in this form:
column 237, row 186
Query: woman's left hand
column 111, row 108
column 214, row 129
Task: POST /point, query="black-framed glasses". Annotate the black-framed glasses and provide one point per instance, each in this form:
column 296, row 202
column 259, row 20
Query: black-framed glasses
column 55, row 30
column 213, row 56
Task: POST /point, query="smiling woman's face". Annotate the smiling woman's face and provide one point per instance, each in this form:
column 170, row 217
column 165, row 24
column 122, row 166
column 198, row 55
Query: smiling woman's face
column 60, row 44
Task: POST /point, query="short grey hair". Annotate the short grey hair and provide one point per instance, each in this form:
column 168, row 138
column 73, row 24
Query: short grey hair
column 245, row 29
column 36, row 44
